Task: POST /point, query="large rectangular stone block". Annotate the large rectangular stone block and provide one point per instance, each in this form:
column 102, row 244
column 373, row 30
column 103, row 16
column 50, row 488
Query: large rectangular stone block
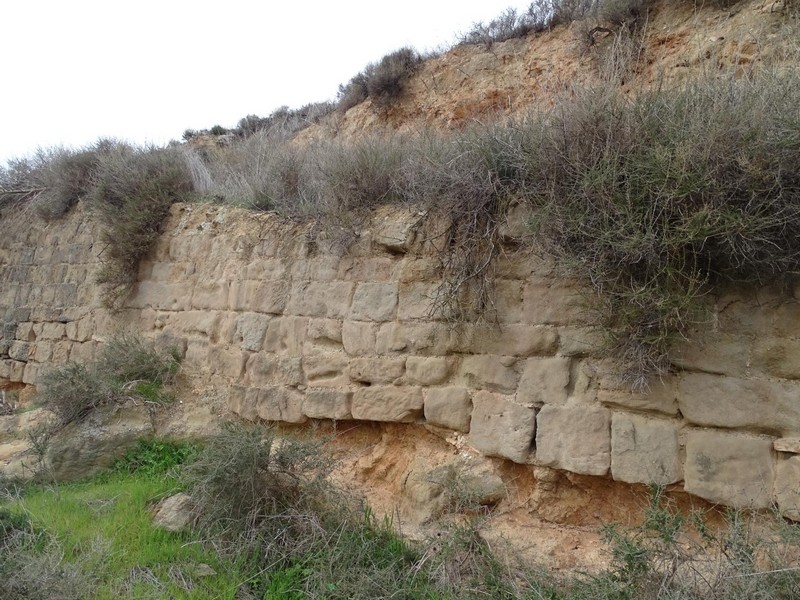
column 374, row 302
column 501, row 427
column 514, row 340
column 251, row 328
column 545, row 381
column 327, row 404
column 489, row 372
column 376, row 369
column 553, row 304
column 574, row 438
column 161, row 295
column 330, row 299
column 259, row 296
column 417, row 301
column 721, row 401
column 735, row 469
column 644, row 450
column 270, row 369
column 280, row 404
column 286, row 335
column 387, row 403
column 428, row 370
column 448, row 407
column 358, row 338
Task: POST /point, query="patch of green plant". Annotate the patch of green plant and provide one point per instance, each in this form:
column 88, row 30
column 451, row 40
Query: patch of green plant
column 95, row 539
column 128, row 367
column 155, row 457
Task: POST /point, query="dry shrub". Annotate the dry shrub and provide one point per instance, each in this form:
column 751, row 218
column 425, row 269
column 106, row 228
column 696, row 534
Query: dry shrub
column 383, row 82
column 133, row 192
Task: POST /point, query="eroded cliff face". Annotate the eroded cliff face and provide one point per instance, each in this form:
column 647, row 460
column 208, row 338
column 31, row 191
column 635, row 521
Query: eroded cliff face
column 285, row 329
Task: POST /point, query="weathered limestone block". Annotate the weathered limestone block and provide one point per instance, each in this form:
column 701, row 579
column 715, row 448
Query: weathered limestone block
column 194, row 322
column 268, row 297
column 251, row 328
column 581, row 341
column 428, row 370
column 501, row 427
column 327, row 404
column 24, row 333
column 714, row 353
column 416, row 338
column 379, row 268
column 387, row 403
column 787, row 486
column 644, row 450
column 719, row 401
column 227, row 362
column 318, row 268
column 574, row 438
column 552, row 304
column 280, row 404
column 776, row 358
column 416, row 301
column 544, row 381
column 359, row 338
column 84, row 352
column 176, row 513
column 419, row 269
column 31, row 373
column 211, row 295
column 508, row 301
column 270, row 369
column 488, row 372
column 42, row 351
column 267, row 269
column 326, row 369
column 376, row 370
column 330, row 299
column 324, row 333
column 791, row 445
column 735, row 469
column 243, row 401
column 286, row 335
column 514, row 340
column 374, row 302
column 21, row 351
column 161, row 295
column 396, row 231
column 449, row 407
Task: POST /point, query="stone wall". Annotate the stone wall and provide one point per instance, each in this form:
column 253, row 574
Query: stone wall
column 292, row 330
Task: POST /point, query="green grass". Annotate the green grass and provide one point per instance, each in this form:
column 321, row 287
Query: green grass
column 108, row 521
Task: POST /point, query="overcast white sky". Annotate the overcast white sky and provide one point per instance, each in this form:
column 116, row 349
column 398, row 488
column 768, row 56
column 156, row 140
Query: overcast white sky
column 76, row 70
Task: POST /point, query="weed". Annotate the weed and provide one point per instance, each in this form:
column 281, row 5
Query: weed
column 127, row 367
column 155, row 457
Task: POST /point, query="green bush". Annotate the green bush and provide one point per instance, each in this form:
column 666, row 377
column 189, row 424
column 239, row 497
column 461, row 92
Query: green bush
column 127, row 367
column 155, row 457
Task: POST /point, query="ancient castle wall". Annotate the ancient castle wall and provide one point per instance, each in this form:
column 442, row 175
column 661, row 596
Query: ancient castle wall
column 292, row 331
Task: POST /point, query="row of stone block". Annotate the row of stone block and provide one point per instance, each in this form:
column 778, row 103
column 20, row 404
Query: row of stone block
column 731, row 468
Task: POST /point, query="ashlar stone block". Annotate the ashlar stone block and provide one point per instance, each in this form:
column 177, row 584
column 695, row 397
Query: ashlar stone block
column 501, row 427
column 574, row 438
column 644, row 450
column 735, row 469
column 327, row 404
column 449, row 407
column 544, row 381
column 375, row 302
column 387, row 403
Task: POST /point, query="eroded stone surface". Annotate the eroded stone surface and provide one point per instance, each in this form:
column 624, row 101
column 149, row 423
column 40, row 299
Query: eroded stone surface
column 501, row 427
column 644, row 450
column 575, row 438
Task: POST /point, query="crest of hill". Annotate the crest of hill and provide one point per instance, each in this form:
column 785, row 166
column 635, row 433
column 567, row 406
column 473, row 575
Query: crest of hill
column 673, row 42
